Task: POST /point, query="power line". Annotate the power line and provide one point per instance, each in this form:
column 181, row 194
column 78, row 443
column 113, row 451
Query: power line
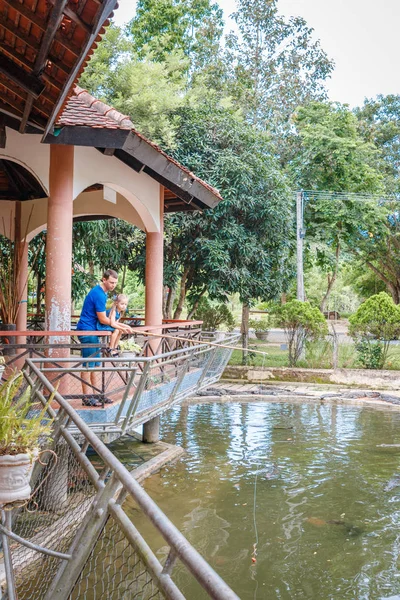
column 353, row 196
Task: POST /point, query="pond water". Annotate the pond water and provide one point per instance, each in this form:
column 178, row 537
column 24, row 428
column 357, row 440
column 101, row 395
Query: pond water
column 307, row 484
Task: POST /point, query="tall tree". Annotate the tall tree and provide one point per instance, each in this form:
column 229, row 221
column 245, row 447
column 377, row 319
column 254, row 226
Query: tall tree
column 334, row 158
column 379, row 123
column 243, row 244
column 275, row 65
column 165, row 26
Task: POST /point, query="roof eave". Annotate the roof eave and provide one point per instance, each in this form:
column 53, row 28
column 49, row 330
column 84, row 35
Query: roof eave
column 146, row 156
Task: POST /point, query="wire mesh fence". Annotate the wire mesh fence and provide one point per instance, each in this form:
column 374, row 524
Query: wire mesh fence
column 114, row 570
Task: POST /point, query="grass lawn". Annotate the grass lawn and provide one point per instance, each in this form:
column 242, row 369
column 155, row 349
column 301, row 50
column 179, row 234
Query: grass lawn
column 318, row 356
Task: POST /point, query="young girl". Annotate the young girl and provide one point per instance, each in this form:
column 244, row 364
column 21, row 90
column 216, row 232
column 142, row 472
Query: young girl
column 116, row 311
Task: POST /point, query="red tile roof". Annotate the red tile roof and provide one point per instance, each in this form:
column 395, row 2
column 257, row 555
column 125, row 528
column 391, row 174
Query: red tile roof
column 83, row 110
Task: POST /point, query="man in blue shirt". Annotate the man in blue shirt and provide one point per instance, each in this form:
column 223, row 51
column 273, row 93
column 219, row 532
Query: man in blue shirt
column 94, row 310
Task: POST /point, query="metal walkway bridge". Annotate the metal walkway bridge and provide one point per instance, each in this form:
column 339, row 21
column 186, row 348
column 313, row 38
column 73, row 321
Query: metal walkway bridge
column 74, row 539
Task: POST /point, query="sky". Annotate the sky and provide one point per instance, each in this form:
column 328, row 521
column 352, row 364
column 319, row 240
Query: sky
column 361, row 36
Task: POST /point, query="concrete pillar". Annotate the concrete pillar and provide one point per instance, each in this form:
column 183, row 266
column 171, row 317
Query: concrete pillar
column 59, row 239
column 151, row 431
column 154, row 299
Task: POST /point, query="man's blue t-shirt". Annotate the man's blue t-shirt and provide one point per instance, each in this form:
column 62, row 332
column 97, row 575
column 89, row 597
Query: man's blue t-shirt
column 94, row 302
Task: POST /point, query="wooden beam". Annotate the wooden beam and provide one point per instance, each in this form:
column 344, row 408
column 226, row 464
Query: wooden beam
column 15, row 89
column 53, row 24
column 76, row 19
column 25, row 12
column 26, row 113
column 109, row 151
column 29, row 83
column 11, row 177
column 102, row 15
column 30, row 39
column 19, row 33
column 11, row 102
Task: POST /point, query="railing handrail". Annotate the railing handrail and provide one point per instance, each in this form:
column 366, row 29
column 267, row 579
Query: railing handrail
column 188, row 555
column 81, row 332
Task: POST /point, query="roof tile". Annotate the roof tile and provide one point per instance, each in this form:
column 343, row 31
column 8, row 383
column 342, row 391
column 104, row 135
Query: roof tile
column 83, row 110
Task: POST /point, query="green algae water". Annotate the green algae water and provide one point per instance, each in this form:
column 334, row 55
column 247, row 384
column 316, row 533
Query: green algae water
column 304, row 488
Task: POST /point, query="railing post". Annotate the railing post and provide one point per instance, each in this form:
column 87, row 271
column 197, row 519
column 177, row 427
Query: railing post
column 82, row 546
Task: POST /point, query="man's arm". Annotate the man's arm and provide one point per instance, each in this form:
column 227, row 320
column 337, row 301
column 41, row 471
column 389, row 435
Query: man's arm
column 102, row 317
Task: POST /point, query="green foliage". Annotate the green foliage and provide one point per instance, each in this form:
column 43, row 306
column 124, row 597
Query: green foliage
column 129, row 345
column 214, row 315
column 164, row 26
column 371, row 354
column 260, row 324
column 150, row 93
column 379, row 123
column 333, row 154
column 99, row 76
column 372, row 326
column 20, row 433
column 319, row 354
column 274, row 65
column 378, row 317
column 301, row 323
column 242, row 245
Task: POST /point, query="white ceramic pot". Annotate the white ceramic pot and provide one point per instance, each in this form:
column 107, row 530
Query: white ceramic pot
column 2, row 367
column 15, row 473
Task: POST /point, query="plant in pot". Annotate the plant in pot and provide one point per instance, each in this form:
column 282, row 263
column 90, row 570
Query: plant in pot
column 129, row 347
column 21, row 435
column 261, row 328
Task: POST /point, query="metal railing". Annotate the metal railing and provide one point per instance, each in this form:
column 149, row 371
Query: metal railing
column 135, row 389
column 80, row 514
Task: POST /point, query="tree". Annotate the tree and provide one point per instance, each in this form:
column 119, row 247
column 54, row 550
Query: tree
column 379, row 123
column 373, row 325
column 165, row 26
column 99, row 75
column 243, row 244
column 334, row 157
column 274, row 66
column 150, row 93
column 301, row 323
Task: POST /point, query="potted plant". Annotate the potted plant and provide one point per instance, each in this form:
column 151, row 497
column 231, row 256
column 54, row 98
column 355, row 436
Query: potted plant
column 129, row 347
column 261, row 328
column 20, row 437
column 13, row 280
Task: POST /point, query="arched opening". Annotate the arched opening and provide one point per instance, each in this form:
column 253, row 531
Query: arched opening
column 17, row 183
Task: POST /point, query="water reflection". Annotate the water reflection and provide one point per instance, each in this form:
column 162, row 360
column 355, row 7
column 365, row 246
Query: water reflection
column 326, row 527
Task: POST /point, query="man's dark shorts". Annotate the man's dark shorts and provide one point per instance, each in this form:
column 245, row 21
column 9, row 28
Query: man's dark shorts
column 90, row 352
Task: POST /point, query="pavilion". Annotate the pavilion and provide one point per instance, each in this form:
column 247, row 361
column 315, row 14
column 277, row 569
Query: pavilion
column 65, row 155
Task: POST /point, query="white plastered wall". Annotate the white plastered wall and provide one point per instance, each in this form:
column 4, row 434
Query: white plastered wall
column 137, row 198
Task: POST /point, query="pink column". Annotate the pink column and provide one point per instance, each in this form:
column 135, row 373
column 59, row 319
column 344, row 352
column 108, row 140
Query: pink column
column 154, row 299
column 59, row 239
column 154, row 271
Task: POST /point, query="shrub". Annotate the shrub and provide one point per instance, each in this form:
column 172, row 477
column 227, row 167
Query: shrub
column 372, row 326
column 301, row 323
column 214, row 315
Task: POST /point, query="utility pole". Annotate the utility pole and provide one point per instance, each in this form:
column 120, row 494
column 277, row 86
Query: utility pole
column 299, row 237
